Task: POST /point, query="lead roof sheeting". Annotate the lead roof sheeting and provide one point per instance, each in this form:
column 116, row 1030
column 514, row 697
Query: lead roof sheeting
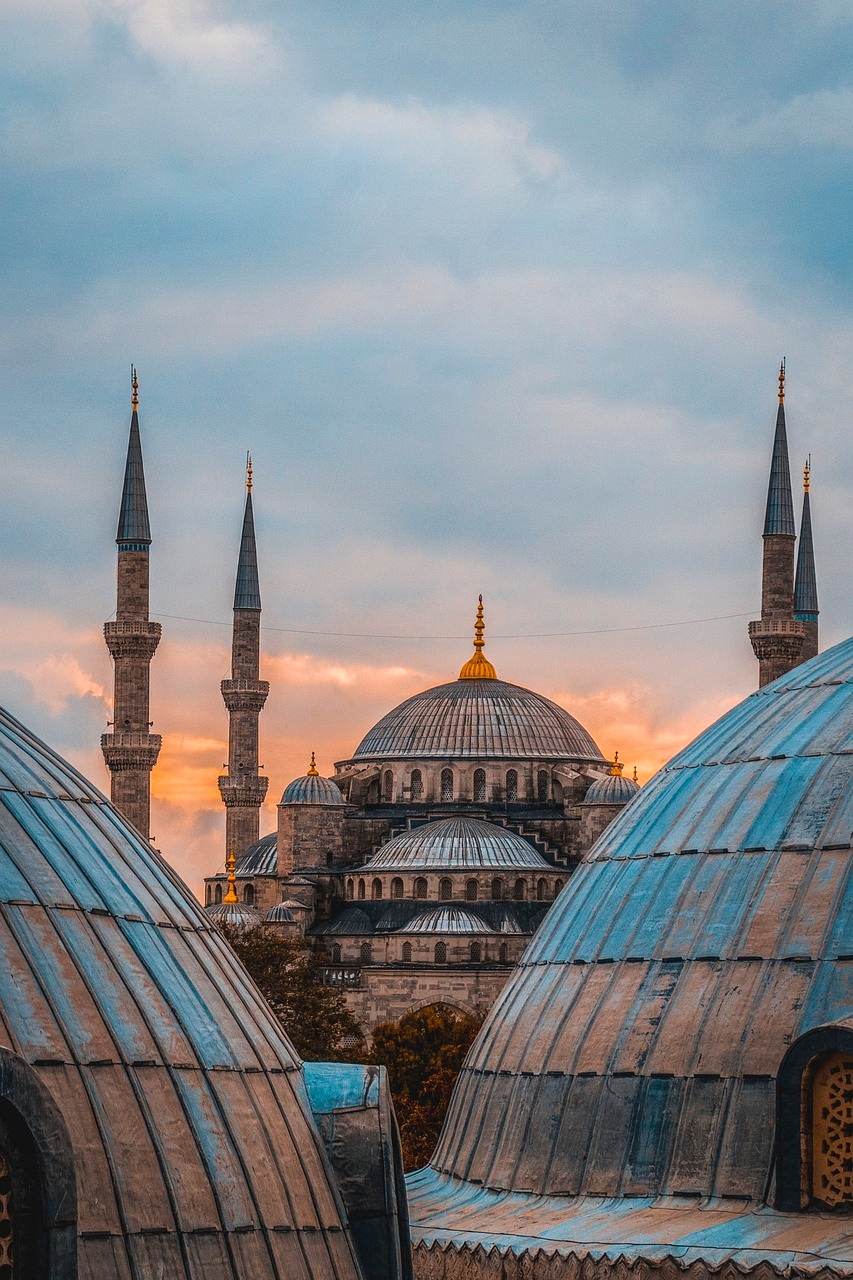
column 260, row 859
column 779, row 513
column 457, row 844
column 478, row 719
column 446, row 920
column 133, row 523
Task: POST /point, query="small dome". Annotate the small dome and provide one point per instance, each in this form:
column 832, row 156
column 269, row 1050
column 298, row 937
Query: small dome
column 312, row 789
column 236, row 915
column 614, row 789
column 457, row 844
column 261, row 858
column 351, row 920
column 280, row 914
column 446, row 920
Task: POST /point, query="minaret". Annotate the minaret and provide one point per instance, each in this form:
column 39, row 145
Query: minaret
column 131, row 750
column 805, row 582
column 242, row 789
column 778, row 638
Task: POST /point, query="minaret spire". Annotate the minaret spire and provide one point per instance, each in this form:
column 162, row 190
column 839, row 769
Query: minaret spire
column 805, row 581
column 777, row 639
column 131, row 750
column 242, row 788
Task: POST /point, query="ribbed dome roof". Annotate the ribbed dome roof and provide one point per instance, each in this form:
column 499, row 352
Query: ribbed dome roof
column 446, row 919
column 182, row 1097
column 261, row 858
column 312, row 789
column 709, row 928
column 236, row 915
column 478, row 719
column 457, row 844
column 614, row 789
column 279, row 914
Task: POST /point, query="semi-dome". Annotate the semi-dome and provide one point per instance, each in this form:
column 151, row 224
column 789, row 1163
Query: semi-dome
column 446, row 920
column 612, row 789
column 261, row 858
column 311, row 788
column 457, row 844
column 663, row 1039
column 159, row 1112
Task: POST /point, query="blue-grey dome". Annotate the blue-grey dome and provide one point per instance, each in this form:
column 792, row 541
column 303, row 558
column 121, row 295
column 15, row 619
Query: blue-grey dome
column 446, row 919
column 478, row 719
column 667, row 1013
column 236, row 915
column 279, row 914
column 614, row 789
column 261, row 858
column 350, row 920
column 167, row 1087
column 457, row 844
column 312, row 789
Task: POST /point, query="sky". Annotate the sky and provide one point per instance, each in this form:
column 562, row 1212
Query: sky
column 495, row 294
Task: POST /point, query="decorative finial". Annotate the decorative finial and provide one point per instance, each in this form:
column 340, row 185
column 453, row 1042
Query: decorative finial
column 478, row 666
column 636, row 779
column 479, row 626
column 248, row 473
column 807, row 471
column 312, row 768
column 231, row 864
column 616, row 768
column 134, row 394
column 782, row 381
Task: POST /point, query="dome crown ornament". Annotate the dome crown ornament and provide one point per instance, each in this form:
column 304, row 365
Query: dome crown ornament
column 313, row 771
column 616, row 767
column 231, row 864
column 478, row 666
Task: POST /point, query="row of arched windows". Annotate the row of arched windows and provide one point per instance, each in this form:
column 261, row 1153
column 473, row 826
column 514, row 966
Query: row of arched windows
column 215, row 895
column 500, row 890
column 479, row 792
column 475, row 953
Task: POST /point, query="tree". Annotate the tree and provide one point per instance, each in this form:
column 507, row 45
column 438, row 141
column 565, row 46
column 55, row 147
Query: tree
column 424, row 1053
column 315, row 1016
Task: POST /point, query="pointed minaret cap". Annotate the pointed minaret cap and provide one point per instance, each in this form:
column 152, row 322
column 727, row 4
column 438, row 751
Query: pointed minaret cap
column 616, row 767
column 133, row 526
column 231, row 864
column 478, row 666
column 247, row 591
column 312, row 768
column 805, row 580
column 779, row 515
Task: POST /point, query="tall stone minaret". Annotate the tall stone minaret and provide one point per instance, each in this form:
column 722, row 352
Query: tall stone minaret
column 242, row 789
column 131, row 750
column 805, row 581
column 778, row 638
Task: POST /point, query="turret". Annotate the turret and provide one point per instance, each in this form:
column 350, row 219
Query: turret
column 778, row 638
column 805, row 583
column 131, row 750
column 242, row 789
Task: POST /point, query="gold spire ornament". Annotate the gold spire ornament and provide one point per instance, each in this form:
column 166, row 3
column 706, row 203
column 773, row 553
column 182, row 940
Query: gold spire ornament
column 807, row 471
column 478, row 666
column 312, row 768
column 134, row 392
column 782, row 381
column 248, row 473
column 231, row 864
column 636, row 779
column 617, row 767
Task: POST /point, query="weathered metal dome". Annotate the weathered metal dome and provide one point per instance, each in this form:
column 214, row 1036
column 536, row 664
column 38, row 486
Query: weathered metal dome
column 642, row 1086
column 614, row 789
column 457, row 844
column 446, row 919
column 311, row 788
column 261, row 858
column 138, row 1062
column 279, row 914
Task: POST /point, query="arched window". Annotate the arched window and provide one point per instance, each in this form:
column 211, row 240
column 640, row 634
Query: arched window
column 512, row 785
column 441, row 953
column 558, row 884
column 366, row 953
column 476, row 952
column 336, row 953
column 350, row 888
column 542, row 785
column 376, row 889
column 421, row 887
column 388, row 786
column 519, row 891
column 249, row 895
column 362, row 890
column 217, row 893
column 471, row 891
column 541, row 890
column 447, row 784
column 417, row 785
column 502, row 953
column 814, row 1111
column 396, row 887
column 480, row 785
column 497, row 889
column 407, row 953
column 445, row 889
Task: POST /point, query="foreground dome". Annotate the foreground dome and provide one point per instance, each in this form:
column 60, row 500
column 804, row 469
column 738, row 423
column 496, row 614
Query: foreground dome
column 669, row 1071
column 457, row 844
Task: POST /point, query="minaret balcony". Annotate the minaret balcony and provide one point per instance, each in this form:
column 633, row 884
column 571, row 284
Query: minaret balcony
column 136, row 639
column 777, row 638
column 126, row 751
column 245, row 695
column 242, row 793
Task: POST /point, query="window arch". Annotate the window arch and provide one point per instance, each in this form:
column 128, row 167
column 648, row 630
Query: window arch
column 519, row 891
column 396, row 887
column 476, row 952
column 441, row 953
column 362, row 891
column 480, row 785
column 249, row 895
column 336, row 953
column 416, row 790
column 350, row 888
column 421, row 887
column 471, row 890
column 376, row 889
column 558, row 884
column 217, row 894
column 541, row 890
column 497, row 889
column 542, row 785
column 365, row 953
column 512, row 785
column 503, row 953
column 387, row 786
column 447, row 784
column 814, row 1112
column 407, row 953
column 445, row 889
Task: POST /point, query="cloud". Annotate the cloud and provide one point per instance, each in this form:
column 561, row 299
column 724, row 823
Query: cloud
column 819, row 119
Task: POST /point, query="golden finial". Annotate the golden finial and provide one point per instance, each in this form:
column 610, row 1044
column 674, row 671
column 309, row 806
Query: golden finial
column 478, row 666
column 782, row 381
column 636, row 779
column 134, row 383
column 248, row 473
column 231, row 864
column 312, row 768
column 616, row 768
column 807, row 471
